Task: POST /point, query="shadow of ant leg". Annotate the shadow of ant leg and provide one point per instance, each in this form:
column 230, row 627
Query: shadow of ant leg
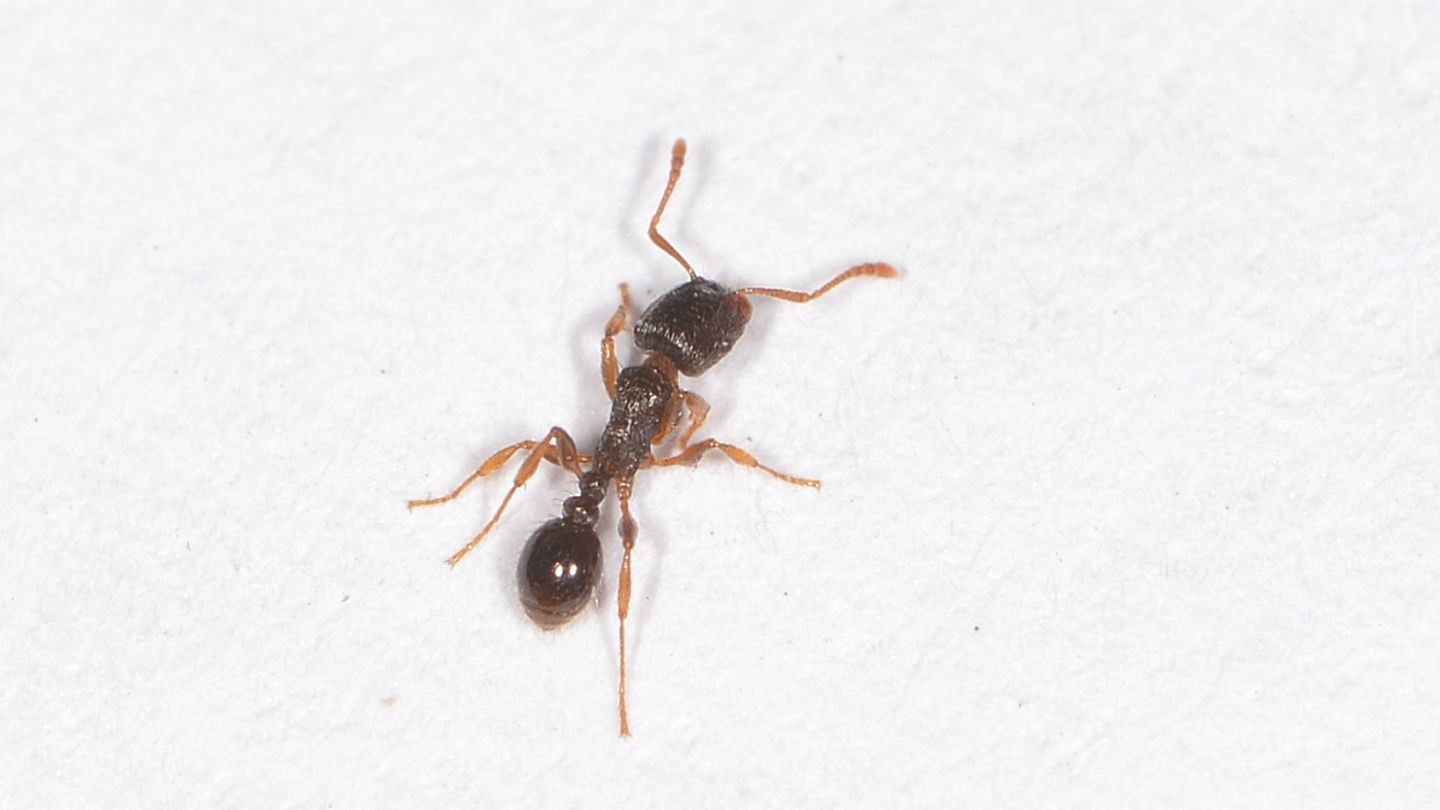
column 878, row 269
column 692, row 455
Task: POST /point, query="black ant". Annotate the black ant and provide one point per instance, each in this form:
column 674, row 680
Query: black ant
column 685, row 331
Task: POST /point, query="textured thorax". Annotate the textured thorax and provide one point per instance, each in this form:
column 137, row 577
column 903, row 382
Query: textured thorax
column 642, row 394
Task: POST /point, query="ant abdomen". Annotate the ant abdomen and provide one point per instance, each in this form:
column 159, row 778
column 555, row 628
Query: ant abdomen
column 558, row 572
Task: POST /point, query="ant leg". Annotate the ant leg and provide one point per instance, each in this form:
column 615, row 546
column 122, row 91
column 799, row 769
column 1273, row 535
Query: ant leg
column 628, row 532
column 692, row 456
column 670, row 414
column 698, row 409
column 677, row 161
column 493, row 463
column 569, row 459
column 609, row 366
column 874, row 269
column 694, row 405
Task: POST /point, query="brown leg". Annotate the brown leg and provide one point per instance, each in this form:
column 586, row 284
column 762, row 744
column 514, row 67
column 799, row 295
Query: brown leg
column 493, row 463
column 677, row 160
column 564, row 447
column 692, row 456
column 628, row 532
column 609, row 366
column 670, row 414
column 698, row 409
column 874, row 269
column 669, row 418
column 693, row 404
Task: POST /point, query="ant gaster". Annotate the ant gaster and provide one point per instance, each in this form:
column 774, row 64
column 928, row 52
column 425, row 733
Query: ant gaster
column 685, row 331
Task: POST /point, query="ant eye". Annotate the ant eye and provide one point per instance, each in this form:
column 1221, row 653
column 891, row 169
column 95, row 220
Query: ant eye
column 558, row 572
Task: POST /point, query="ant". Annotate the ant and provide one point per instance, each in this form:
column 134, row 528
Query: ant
column 685, row 331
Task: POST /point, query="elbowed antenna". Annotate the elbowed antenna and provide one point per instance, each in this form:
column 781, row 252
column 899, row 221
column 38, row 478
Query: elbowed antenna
column 677, row 162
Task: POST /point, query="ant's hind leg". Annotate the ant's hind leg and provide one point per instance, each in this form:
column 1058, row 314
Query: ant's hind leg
column 628, row 531
column 494, row 463
column 566, row 456
column 878, row 269
column 692, row 456
column 609, row 365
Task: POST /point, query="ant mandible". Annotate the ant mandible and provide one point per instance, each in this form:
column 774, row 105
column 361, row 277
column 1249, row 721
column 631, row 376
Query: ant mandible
column 685, row 331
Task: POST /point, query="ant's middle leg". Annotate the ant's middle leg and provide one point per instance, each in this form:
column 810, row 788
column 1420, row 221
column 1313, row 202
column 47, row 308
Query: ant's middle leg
column 567, row 457
column 609, row 365
column 692, row 456
column 879, row 269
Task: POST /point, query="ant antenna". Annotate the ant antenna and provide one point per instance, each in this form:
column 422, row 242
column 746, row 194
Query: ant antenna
column 677, row 160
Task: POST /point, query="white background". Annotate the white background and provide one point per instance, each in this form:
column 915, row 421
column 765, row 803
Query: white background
column 1130, row 482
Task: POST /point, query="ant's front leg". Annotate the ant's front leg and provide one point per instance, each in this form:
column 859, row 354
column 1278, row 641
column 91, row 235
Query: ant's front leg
column 609, row 365
column 696, row 410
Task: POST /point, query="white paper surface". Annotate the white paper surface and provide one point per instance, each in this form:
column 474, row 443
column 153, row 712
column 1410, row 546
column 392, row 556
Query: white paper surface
column 1130, row 482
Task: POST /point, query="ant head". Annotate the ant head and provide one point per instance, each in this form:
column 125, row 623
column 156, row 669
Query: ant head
column 695, row 325
column 559, row 570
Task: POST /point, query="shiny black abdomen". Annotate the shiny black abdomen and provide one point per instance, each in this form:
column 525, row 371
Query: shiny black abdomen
column 641, row 396
column 558, row 572
column 695, row 325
